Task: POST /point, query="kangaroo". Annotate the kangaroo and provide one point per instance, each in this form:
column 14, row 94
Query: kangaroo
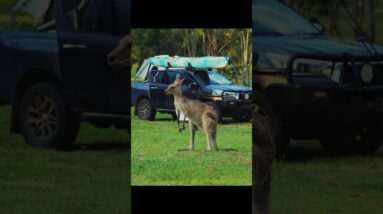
column 263, row 155
column 201, row 116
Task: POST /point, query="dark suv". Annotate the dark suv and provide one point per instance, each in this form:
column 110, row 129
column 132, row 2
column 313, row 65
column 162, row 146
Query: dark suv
column 313, row 86
column 202, row 84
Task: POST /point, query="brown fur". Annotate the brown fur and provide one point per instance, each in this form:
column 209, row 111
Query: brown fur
column 121, row 56
column 201, row 116
column 263, row 155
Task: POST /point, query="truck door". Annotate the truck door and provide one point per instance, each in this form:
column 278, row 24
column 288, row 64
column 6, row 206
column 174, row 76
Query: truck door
column 190, row 87
column 87, row 31
column 157, row 86
column 119, row 98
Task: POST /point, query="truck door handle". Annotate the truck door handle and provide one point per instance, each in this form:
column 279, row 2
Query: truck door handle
column 71, row 46
column 153, row 87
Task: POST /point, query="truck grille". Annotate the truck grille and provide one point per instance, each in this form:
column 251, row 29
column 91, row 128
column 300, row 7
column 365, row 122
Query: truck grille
column 245, row 96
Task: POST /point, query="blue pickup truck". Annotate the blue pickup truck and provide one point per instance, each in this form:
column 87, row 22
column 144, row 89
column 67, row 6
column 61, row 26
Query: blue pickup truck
column 54, row 70
column 206, row 85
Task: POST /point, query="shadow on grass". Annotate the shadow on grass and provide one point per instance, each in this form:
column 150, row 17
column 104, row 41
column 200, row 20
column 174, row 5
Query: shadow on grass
column 165, row 119
column 98, row 146
column 305, row 151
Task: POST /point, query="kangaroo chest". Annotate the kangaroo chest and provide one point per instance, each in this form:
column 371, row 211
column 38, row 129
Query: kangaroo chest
column 182, row 107
column 187, row 110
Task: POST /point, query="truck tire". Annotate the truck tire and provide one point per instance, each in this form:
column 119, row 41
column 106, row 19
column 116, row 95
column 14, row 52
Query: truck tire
column 145, row 110
column 44, row 120
column 217, row 109
column 244, row 117
column 269, row 113
column 352, row 141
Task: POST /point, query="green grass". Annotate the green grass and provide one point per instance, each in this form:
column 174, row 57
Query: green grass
column 313, row 182
column 93, row 178
column 157, row 161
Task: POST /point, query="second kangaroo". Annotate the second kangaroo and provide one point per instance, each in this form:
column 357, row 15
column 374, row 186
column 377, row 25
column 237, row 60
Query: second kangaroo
column 201, row 116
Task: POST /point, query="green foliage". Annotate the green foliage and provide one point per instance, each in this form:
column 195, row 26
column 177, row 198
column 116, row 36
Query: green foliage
column 16, row 21
column 323, row 7
column 329, row 13
column 197, row 42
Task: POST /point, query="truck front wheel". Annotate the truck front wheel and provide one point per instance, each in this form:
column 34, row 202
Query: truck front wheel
column 270, row 114
column 44, row 121
column 145, row 110
column 244, row 117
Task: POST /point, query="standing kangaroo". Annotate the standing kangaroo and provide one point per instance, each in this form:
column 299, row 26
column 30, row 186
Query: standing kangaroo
column 201, row 116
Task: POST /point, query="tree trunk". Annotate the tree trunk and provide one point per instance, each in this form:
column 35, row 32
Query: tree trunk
column 334, row 15
column 359, row 12
column 370, row 19
column 211, row 42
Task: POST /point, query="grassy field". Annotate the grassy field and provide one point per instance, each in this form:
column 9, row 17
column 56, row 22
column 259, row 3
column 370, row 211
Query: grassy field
column 157, row 161
column 91, row 178
column 312, row 182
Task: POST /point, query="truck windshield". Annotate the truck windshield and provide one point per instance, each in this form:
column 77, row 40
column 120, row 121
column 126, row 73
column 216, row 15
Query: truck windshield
column 218, row 79
column 211, row 77
column 272, row 17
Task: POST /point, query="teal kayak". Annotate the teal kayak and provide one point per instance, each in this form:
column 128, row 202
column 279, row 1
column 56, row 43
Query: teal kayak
column 194, row 62
column 210, row 62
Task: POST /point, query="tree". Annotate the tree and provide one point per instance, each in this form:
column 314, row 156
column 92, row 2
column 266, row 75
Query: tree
column 235, row 43
column 370, row 11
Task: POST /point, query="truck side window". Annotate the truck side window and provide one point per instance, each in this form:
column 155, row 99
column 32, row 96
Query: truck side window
column 94, row 16
column 27, row 15
column 156, row 76
column 172, row 75
column 187, row 80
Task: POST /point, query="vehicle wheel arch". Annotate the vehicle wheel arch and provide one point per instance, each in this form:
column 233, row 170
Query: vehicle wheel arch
column 26, row 80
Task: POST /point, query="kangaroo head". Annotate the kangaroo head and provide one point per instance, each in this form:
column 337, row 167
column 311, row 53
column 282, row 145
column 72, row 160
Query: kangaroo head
column 175, row 87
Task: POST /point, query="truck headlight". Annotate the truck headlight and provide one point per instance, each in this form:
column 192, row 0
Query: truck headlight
column 217, row 92
column 311, row 66
column 367, row 73
column 228, row 94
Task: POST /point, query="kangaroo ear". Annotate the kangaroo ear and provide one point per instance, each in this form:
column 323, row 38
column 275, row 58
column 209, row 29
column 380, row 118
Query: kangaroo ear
column 176, row 81
column 180, row 80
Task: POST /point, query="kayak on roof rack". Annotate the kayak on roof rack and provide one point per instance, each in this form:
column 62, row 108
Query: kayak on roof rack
column 190, row 62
